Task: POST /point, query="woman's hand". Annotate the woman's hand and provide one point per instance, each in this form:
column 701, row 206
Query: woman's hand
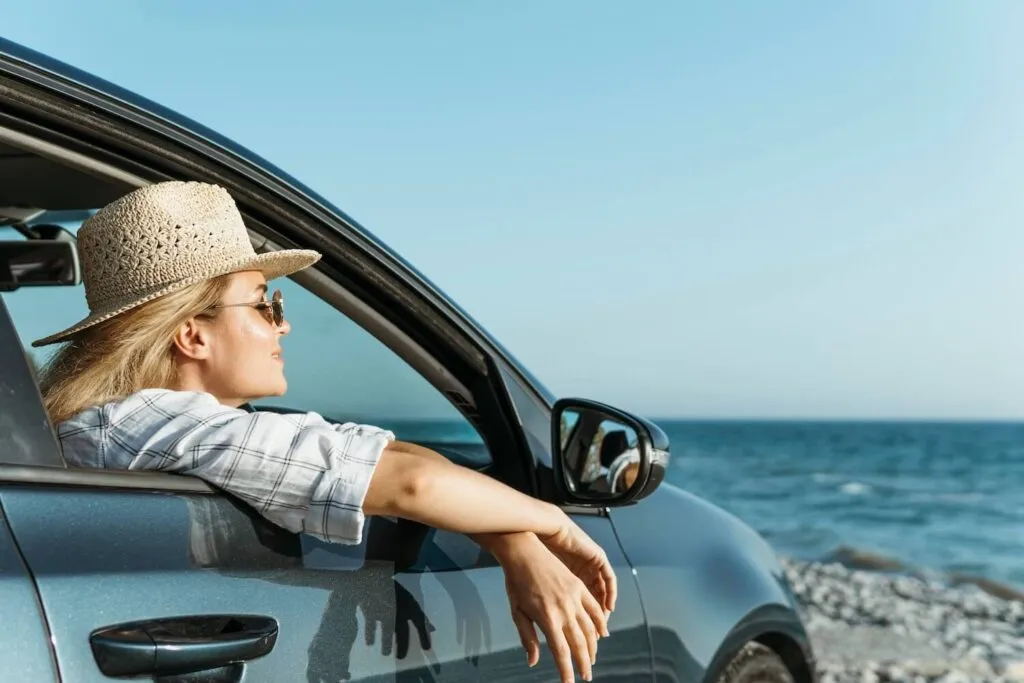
column 543, row 591
column 586, row 559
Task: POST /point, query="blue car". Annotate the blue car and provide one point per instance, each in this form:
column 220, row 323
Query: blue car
column 116, row 575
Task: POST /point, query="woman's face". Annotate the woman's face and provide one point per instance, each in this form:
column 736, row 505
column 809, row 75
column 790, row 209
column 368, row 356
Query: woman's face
column 243, row 355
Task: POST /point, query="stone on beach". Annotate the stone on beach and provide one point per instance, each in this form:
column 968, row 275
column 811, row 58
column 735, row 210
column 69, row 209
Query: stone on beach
column 871, row 627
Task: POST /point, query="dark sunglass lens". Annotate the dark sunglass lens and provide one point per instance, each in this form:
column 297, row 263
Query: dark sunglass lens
column 277, row 307
column 266, row 310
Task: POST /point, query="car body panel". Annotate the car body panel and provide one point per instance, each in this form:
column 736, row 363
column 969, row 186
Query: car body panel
column 24, row 640
column 142, row 555
column 705, row 578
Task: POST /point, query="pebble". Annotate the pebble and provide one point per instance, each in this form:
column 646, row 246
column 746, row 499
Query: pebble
column 871, row 627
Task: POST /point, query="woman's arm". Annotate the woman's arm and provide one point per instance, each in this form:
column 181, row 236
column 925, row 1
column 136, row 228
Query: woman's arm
column 418, row 484
column 568, row 596
column 491, row 513
column 494, row 543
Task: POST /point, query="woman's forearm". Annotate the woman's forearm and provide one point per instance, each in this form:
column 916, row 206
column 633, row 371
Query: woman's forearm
column 500, row 545
column 415, row 483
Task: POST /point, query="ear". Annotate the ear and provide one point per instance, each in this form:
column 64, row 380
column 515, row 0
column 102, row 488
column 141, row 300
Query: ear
column 192, row 340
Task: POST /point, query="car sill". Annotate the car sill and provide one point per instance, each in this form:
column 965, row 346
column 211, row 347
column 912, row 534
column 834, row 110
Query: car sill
column 152, row 481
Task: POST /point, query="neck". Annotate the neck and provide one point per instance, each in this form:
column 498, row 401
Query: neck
column 190, row 381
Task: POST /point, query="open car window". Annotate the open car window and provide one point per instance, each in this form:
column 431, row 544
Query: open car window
column 334, row 366
column 341, row 371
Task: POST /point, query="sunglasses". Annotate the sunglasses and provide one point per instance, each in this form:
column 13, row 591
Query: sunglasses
column 272, row 310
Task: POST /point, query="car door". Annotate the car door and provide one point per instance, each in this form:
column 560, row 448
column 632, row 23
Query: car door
column 112, row 553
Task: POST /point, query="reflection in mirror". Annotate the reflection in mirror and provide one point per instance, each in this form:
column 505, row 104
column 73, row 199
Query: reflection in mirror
column 601, row 453
column 33, row 263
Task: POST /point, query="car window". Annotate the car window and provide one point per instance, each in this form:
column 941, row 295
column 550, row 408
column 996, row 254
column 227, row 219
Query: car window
column 334, row 367
column 340, row 370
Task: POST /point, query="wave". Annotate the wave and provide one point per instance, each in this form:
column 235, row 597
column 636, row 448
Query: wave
column 855, row 488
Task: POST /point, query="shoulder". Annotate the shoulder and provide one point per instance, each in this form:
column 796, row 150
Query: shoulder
column 129, row 422
column 143, row 407
column 168, row 402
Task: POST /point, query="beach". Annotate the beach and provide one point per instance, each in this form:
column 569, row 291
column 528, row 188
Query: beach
column 879, row 627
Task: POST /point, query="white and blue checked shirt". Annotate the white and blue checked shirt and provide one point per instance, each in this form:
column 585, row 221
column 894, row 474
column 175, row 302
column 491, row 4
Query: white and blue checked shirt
column 297, row 470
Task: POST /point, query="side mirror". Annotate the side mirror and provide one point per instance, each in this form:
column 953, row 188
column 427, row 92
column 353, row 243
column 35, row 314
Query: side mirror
column 49, row 259
column 604, row 456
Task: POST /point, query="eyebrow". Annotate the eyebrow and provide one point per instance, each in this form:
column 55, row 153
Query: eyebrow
column 261, row 289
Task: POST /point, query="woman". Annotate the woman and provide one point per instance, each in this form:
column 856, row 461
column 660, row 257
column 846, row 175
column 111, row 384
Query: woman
column 181, row 333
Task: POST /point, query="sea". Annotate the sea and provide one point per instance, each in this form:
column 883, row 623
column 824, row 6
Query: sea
column 939, row 498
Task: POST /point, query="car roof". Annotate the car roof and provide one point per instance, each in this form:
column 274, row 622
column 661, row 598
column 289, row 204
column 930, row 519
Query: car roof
column 13, row 52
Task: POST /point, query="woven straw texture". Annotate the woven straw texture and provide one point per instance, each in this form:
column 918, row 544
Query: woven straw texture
column 161, row 238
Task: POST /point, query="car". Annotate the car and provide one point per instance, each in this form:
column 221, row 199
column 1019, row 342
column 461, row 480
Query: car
column 112, row 574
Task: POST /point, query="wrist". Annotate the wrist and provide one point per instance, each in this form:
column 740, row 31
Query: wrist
column 558, row 522
column 506, row 547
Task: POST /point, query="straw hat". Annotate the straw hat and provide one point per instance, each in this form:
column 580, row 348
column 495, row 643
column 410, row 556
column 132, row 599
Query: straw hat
column 162, row 238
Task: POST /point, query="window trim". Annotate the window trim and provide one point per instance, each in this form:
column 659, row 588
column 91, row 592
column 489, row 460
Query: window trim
column 99, row 478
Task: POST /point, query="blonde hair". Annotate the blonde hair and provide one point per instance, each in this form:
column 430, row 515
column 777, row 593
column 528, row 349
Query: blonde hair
column 119, row 356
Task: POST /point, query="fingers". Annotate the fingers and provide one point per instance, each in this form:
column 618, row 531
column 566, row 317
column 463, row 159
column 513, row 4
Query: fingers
column 387, row 641
column 562, row 653
column 580, row 649
column 369, row 630
column 590, row 633
column 425, row 628
column 598, row 616
column 527, row 636
column 566, row 644
column 402, row 637
column 611, row 586
column 601, row 589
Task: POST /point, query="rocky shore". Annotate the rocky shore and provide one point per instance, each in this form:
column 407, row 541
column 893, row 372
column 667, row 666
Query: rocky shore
column 876, row 627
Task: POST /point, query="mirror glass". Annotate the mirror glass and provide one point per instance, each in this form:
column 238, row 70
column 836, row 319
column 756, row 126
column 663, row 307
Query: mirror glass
column 34, row 263
column 599, row 452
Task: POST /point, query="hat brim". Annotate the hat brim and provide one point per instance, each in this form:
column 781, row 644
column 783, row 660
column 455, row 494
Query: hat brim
column 272, row 265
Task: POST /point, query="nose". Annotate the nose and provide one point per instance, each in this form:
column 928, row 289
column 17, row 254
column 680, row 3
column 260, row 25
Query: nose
column 284, row 328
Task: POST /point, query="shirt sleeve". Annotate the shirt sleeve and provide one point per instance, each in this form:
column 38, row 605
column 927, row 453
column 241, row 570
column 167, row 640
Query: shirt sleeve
column 297, row 470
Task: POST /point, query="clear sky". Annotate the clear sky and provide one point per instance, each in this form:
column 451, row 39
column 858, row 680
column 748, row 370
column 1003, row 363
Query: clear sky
column 791, row 209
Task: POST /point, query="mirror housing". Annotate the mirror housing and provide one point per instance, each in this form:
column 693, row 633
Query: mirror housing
column 603, row 456
column 49, row 257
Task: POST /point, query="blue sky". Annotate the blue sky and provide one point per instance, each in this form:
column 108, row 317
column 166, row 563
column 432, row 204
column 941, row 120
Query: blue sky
column 732, row 209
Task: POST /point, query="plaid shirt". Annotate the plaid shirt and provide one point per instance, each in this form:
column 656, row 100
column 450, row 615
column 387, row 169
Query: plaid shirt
column 297, row 470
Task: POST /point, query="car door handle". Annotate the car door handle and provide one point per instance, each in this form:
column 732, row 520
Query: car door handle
column 178, row 645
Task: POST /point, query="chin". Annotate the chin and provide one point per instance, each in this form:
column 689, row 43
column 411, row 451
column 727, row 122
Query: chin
column 276, row 390
column 266, row 391
column 279, row 388
column 269, row 385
